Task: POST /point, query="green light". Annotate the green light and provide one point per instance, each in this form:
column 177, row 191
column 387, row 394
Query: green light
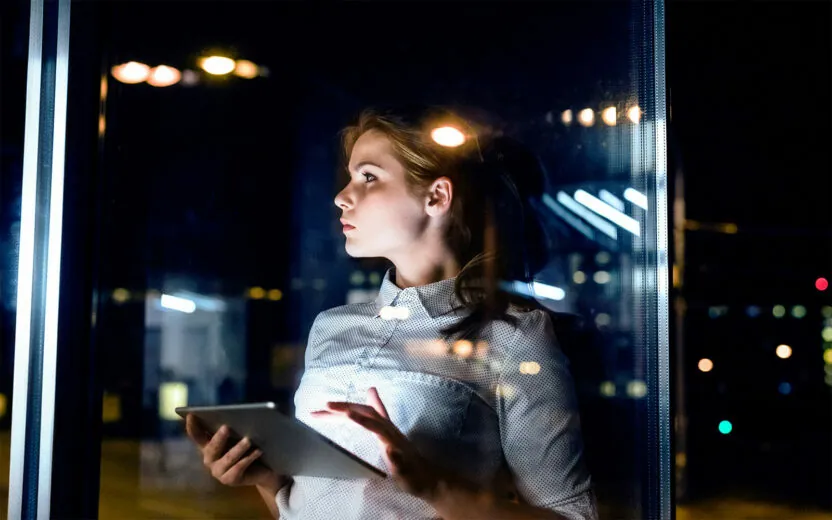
column 725, row 427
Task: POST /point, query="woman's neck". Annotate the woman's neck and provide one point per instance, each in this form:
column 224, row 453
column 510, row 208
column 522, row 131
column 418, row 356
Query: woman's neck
column 415, row 273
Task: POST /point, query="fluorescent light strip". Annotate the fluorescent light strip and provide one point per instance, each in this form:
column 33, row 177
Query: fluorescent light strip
column 636, row 197
column 612, row 200
column 549, row 292
column 600, row 224
column 178, row 304
column 605, row 210
column 571, row 219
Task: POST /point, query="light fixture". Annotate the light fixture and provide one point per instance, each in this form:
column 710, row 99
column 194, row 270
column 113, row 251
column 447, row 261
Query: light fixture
column 217, row 65
column 163, row 76
column 447, row 136
column 131, row 72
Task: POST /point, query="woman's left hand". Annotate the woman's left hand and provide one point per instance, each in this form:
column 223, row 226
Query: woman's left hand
column 411, row 472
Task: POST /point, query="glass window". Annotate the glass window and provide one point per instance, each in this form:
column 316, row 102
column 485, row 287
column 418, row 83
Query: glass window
column 221, row 269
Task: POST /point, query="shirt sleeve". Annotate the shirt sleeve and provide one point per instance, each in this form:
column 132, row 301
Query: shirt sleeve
column 539, row 424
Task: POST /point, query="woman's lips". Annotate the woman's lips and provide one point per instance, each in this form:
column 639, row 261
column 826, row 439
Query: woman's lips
column 348, row 227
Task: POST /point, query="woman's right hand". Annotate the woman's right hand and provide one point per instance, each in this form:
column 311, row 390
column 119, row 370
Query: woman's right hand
column 235, row 465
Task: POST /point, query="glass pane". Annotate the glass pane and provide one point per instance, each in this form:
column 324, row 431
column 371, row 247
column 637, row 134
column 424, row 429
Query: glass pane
column 221, row 246
column 14, row 46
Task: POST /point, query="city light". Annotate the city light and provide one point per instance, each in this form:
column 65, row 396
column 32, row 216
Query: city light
column 609, row 116
column 706, row 365
column 826, row 334
column 586, row 117
column 603, row 319
column 275, row 295
column 634, row 114
column 798, row 311
column 256, row 293
column 131, row 72
column 121, row 295
column 175, row 303
column 827, row 356
column 163, row 76
column 357, row 278
column 784, row 388
column 601, row 277
column 778, row 311
column 217, row 65
column 783, row 351
column 529, row 367
column 821, row 284
column 752, row 311
column 579, row 277
column 463, row 348
column 725, row 427
column 636, row 389
column 603, row 258
column 607, row 389
column 566, row 117
column 447, row 136
column 246, row 69
column 636, row 197
column 605, row 210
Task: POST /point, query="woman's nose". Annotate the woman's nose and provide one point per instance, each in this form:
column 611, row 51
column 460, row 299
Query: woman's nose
column 343, row 200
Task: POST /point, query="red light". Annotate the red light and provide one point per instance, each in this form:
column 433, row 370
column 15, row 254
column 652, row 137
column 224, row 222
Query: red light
column 822, row 284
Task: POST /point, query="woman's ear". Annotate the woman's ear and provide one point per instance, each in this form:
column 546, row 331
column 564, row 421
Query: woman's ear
column 439, row 197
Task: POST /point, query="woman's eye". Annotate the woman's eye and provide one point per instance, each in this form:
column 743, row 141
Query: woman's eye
column 369, row 177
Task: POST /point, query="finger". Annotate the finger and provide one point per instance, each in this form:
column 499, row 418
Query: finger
column 236, row 472
column 375, row 402
column 196, row 431
column 233, row 455
column 216, row 447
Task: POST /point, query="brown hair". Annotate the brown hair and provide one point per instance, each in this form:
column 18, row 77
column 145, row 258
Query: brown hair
column 472, row 234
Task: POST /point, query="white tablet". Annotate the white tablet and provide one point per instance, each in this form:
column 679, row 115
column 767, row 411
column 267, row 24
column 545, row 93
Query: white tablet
column 289, row 446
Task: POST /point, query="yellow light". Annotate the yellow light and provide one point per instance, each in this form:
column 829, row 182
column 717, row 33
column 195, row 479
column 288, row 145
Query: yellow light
column 217, row 65
column 111, row 408
column 171, row 396
column 256, row 293
column 121, row 295
column 447, row 136
column 607, row 389
column 778, row 311
column 706, row 365
column 579, row 277
column 463, row 348
column 505, row 391
column 275, row 295
column 609, row 116
column 2, row 405
column 586, row 117
column 826, row 311
column 102, row 125
column 798, row 311
column 634, row 114
column 827, row 356
column 601, row 277
column 163, row 76
column 103, row 87
column 566, row 117
column 246, row 69
column 374, row 278
column 677, row 279
column 783, row 351
column 729, row 228
column 636, row 389
column 826, row 334
column 131, row 72
column 529, row 367
column 357, row 278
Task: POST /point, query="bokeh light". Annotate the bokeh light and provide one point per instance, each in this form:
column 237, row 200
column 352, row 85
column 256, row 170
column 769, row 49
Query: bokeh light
column 725, row 427
column 566, row 117
column 778, row 311
column 609, row 116
column 246, row 69
column 636, row 389
column 447, row 136
column 529, row 367
column 827, row 356
column 256, row 293
column 607, row 389
column 821, row 284
column 784, row 388
column 798, row 311
column 601, row 277
column 826, row 333
column 634, row 114
column 131, row 72
column 586, row 117
column 706, row 365
column 275, row 295
column 121, row 295
column 217, row 65
column 579, row 277
column 163, row 76
column 783, row 351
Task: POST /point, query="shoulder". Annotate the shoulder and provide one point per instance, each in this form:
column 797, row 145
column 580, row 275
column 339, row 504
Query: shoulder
column 531, row 336
column 342, row 316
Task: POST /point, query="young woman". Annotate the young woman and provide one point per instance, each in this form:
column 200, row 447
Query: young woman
column 460, row 394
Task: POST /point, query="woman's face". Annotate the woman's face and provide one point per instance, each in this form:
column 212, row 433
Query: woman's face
column 380, row 215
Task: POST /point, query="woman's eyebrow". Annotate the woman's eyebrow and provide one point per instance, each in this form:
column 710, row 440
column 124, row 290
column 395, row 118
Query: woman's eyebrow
column 367, row 163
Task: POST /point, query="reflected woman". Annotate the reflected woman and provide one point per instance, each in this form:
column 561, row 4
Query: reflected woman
column 448, row 382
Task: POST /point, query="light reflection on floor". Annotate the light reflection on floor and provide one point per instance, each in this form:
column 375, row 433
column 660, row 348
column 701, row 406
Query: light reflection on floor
column 152, row 480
